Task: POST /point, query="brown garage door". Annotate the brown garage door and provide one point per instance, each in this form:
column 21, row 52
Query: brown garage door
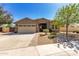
column 28, row 28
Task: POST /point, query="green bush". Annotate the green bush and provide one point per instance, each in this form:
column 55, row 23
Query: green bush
column 46, row 31
column 52, row 35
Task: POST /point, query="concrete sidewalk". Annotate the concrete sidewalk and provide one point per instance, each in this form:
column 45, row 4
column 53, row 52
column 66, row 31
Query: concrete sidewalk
column 41, row 50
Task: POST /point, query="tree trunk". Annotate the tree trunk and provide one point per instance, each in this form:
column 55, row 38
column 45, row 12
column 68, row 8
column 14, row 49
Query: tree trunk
column 67, row 31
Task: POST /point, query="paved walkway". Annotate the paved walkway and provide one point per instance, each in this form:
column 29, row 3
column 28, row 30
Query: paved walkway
column 41, row 50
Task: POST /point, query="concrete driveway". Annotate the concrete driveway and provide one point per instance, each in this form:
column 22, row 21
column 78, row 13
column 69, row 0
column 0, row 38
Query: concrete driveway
column 15, row 41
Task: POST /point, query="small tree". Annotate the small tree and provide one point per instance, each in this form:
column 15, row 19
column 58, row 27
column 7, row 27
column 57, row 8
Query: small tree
column 68, row 14
column 5, row 17
column 55, row 24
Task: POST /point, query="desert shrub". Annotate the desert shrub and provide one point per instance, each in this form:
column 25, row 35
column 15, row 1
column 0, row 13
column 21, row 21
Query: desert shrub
column 45, row 31
column 50, row 30
column 52, row 35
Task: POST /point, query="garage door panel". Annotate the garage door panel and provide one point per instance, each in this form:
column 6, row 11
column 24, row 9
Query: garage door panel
column 27, row 29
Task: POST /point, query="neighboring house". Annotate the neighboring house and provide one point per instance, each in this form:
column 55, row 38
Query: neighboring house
column 7, row 28
column 28, row 25
column 71, row 28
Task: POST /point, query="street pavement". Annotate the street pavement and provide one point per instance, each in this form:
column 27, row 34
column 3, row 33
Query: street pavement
column 41, row 50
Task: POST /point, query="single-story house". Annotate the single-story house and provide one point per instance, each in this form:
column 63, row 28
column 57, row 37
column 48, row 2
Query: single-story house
column 27, row 25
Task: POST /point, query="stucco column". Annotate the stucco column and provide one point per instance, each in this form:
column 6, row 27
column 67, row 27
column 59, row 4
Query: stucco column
column 48, row 25
column 37, row 28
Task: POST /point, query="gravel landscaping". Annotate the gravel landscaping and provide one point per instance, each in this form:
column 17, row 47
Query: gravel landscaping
column 41, row 40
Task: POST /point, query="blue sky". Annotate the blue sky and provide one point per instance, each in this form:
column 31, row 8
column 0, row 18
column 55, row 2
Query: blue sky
column 32, row 10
